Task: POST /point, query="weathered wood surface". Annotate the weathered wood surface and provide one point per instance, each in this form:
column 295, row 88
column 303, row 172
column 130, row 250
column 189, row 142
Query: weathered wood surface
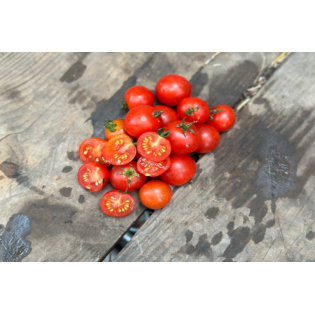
column 254, row 196
column 49, row 103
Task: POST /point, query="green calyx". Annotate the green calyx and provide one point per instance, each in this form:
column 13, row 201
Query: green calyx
column 124, row 105
column 130, row 173
column 163, row 134
column 123, row 192
column 215, row 111
column 186, row 127
column 110, row 125
column 190, row 110
column 157, row 113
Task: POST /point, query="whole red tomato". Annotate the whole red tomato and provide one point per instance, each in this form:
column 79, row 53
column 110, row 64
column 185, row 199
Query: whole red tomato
column 172, row 89
column 126, row 177
column 184, row 138
column 222, row 117
column 210, row 138
column 168, row 115
column 138, row 95
column 193, row 109
column 155, row 194
column 114, row 127
column 182, row 169
column 142, row 119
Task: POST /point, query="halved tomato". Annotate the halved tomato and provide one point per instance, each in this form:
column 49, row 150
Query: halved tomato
column 119, row 150
column 154, row 146
column 117, row 204
column 93, row 176
column 91, row 151
column 151, row 168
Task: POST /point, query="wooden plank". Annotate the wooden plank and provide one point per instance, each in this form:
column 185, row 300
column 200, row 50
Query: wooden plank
column 253, row 199
column 49, row 103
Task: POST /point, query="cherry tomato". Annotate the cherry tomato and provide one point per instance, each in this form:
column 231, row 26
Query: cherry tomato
column 168, row 115
column 184, row 138
column 119, row 150
column 138, row 95
column 114, row 127
column 182, row 169
column 193, row 109
column 93, row 176
column 117, row 204
column 154, row 146
column 155, row 194
column 222, row 117
column 142, row 119
column 126, row 177
column 210, row 138
column 91, row 151
column 151, row 168
column 172, row 89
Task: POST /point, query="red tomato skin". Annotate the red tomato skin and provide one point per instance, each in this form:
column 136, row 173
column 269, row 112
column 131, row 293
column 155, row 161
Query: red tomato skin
column 114, row 213
column 120, row 129
column 172, row 89
column 182, row 169
column 140, row 120
column 223, row 121
column 91, row 143
column 168, row 114
column 155, row 194
column 181, row 144
column 92, row 166
column 162, row 166
column 139, row 95
column 210, row 138
column 200, row 115
column 120, row 181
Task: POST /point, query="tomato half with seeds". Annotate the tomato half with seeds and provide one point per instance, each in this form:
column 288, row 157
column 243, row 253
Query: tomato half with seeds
column 182, row 169
column 155, row 194
column 151, row 168
column 193, row 109
column 119, row 150
column 114, row 127
column 222, row 117
column 142, row 119
column 136, row 96
column 184, row 137
column 117, row 204
column 172, row 89
column 93, row 176
column 90, row 150
column 210, row 138
column 168, row 115
column 126, row 177
column 154, row 146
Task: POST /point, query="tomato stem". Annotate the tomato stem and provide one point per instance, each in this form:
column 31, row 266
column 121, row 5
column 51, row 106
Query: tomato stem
column 163, row 134
column 186, row 127
column 123, row 192
column 130, row 173
column 124, row 105
column 110, row 125
column 157, row 113
column 190, row 110
column 215, row 111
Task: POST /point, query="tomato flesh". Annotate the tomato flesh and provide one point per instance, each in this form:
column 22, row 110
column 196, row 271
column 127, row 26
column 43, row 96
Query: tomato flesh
column 90, row 150
column 93, row 176
column 116, row 204
column 152, row 168
column 119, row 150
column 153, row 146
column 126, row 177
column 222, row 117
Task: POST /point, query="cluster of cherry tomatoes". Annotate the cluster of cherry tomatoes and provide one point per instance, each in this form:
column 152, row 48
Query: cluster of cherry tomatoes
column 152, row 142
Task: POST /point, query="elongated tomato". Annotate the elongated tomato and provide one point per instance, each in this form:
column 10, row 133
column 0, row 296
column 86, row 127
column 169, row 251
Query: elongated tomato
column 93, row 176
column 117, row 204
column 119, row 150
column 150, row 168
column 91, row 151
column 154, row 146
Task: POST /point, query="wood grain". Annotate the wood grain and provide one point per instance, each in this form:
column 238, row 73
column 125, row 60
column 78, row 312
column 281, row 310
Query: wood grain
column 253, row 199
column 50, row 103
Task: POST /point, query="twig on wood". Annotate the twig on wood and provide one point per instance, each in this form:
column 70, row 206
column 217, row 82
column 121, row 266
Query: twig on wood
column 212, row 57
